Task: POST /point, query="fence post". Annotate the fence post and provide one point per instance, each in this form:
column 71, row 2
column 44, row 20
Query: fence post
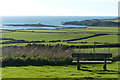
column 104, row 66
column 79, row 48
column 108, row 49
column 78, row 64
column 94, row 48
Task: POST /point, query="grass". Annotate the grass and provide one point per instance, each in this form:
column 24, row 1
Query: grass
column 92, row 29
column 14, row 44
column 87, row 70
column 113, row 20
column 101, row 39
column 65, row 43
column 42, row 36
column 63, row 34
column 4, row 40
column 68, row 71
column 38, row 54
column 114, row 51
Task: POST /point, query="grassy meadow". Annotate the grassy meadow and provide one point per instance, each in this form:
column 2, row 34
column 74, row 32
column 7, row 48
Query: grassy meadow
column 87, row 71
column 64, row 34
column 21, row 46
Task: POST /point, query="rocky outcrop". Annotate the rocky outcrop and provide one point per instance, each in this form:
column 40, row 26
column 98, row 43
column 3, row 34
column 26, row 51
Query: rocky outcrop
column 38, row 25
column 95, row 22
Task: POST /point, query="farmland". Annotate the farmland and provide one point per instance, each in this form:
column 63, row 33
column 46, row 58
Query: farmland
column 57, row 45
column 62, row 36
column 65, row 34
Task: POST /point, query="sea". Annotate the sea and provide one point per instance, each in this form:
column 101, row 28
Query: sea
column 46, row 20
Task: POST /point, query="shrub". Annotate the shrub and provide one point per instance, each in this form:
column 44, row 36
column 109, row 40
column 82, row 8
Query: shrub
column 36, row 54
column 11, row 61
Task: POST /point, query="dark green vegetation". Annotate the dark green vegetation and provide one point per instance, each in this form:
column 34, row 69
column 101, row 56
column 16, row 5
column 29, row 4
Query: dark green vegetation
column 39, row 25
column 62, row 36
column 96, row 22
column 36, row 55
column 105, row 39
column 105, row 36
column 54, row 47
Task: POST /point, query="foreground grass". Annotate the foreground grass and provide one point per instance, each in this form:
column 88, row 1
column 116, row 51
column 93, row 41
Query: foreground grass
column 87, row 70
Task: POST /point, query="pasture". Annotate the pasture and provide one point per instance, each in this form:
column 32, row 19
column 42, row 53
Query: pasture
column 70, row 71
column 65, row 34
column 64, row 37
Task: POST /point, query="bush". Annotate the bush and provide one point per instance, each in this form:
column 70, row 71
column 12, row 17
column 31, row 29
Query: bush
column 36, row 55
column 11, row 61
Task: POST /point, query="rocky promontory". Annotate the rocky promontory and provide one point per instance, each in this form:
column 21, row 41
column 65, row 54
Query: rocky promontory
column 32, row 25
column 94, row 22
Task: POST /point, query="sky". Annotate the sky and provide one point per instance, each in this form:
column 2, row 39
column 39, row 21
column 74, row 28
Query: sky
column 59, row 7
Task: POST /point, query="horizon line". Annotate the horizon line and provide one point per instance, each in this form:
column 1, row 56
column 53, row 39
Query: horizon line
column 57, row 15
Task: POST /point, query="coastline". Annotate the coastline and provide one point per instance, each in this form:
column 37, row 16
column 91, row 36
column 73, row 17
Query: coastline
column 31, row 25
column 65, row 25
column 95, row 22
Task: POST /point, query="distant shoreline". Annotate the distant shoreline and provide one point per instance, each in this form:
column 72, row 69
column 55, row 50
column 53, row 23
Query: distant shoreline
column 31, row 25
column 41, row 26
column 96, row 22
column 93, row 22
column 67, row 25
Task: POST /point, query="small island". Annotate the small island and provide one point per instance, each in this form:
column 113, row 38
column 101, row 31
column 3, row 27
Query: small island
column 39, row 25
column 32, row 25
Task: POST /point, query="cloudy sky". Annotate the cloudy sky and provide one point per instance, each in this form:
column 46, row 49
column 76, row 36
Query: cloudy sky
column 59, row 7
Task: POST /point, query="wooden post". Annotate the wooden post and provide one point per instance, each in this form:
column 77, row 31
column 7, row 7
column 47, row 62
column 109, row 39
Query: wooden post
column 78, row 64
column 104, row 66
column 79, row 49
column 108, row 49
column 94, row 48
column 104, row 50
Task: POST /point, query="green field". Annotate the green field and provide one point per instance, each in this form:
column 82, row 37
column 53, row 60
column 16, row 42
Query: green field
column 87, row 70
column 114, row 20
column 4, row 40
column 65, row 34
column 42, row 36
column 68, row 71
column 88, row 29
column 102, row 39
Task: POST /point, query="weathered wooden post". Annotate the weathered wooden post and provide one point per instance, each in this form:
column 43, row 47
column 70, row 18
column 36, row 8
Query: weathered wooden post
column 94, row 48
column 79, row 49
column 78, row 64
column 109, row 49
column 104, row 66
column 104, row 50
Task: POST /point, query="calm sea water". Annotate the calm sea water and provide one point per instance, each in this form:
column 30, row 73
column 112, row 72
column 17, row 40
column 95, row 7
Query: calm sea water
column 47, row 20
